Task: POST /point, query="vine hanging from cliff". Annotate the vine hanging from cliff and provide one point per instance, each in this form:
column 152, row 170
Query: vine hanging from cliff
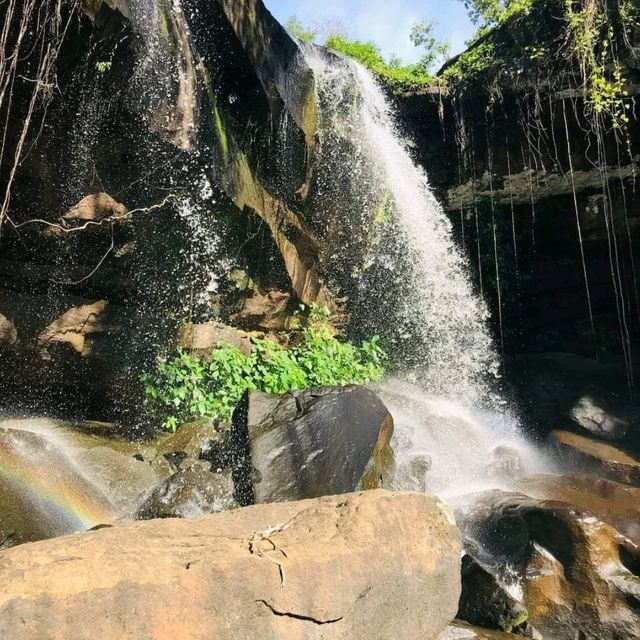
column 30, row 40
column 561, row 45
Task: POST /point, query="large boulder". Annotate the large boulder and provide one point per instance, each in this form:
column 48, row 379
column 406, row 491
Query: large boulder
column 616, row 504
column 594, row 412
column 368, row 566
column 599, row 458
column 573, row 574
column 309, row 444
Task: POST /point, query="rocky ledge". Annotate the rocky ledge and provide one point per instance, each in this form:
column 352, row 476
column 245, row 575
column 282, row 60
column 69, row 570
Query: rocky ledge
column 374, row 566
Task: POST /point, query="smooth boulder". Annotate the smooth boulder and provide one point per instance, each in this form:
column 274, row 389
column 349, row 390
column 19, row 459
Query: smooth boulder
column 308, row 444
column 616, row 504
column 367, row 566
column 600, row 458
column 594, row 412
column 573, row 574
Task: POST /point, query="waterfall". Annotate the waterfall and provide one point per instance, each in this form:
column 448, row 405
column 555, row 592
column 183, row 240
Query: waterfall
column 439, row 312
column 398, row 261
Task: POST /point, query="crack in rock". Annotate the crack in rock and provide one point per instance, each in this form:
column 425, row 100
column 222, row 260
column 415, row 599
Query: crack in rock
column 298, row 616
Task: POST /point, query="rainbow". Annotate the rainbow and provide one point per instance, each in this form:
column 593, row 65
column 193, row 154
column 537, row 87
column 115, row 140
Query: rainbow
column 43, row 491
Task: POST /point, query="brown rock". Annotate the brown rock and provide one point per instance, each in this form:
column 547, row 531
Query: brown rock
column 613, row 503
column 95, row 208
column 207, row 336
column 269, row 312
column 369, row 566
column 75, row 325
column 594, row 412
column 600, row 458
column 575, row 575
column 8, row 332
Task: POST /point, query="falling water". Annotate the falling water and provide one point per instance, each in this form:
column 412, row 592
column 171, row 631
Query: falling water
column 454, row 420
column 457, row 357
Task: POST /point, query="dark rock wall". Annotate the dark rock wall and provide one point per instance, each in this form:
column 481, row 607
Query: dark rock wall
column 511, row 180
column 179, row 116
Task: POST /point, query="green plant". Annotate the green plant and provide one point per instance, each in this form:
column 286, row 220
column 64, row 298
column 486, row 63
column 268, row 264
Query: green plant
column 590, row 37
column 491, row 12
column 299, row 31
column 103, row 66
column 397, row 76
column 185, row 387
column 434, row 50
column 565, row 45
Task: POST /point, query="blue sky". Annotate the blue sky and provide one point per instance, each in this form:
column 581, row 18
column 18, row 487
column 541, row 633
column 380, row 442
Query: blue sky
column 386, row 22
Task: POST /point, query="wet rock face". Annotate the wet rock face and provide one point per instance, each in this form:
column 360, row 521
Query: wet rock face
column 485, row 603
column 8, row 331
column 191, row 492
column 150, row 119
column 340, row 568
column 593, row 412
column 551, row 385
column 309, row 444
column 600, row 458
column 571, row 572
column 616, row 504
column 480, row 158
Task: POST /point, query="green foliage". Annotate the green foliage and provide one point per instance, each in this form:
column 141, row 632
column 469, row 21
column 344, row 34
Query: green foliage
column 434, row 50
column 591, row 38
column 185, row 388
column 472, row 63
column 103, row 67
column 629, row 14
column 492, row 12
column 397, row 76
column 299, row 31
column 570, row 44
